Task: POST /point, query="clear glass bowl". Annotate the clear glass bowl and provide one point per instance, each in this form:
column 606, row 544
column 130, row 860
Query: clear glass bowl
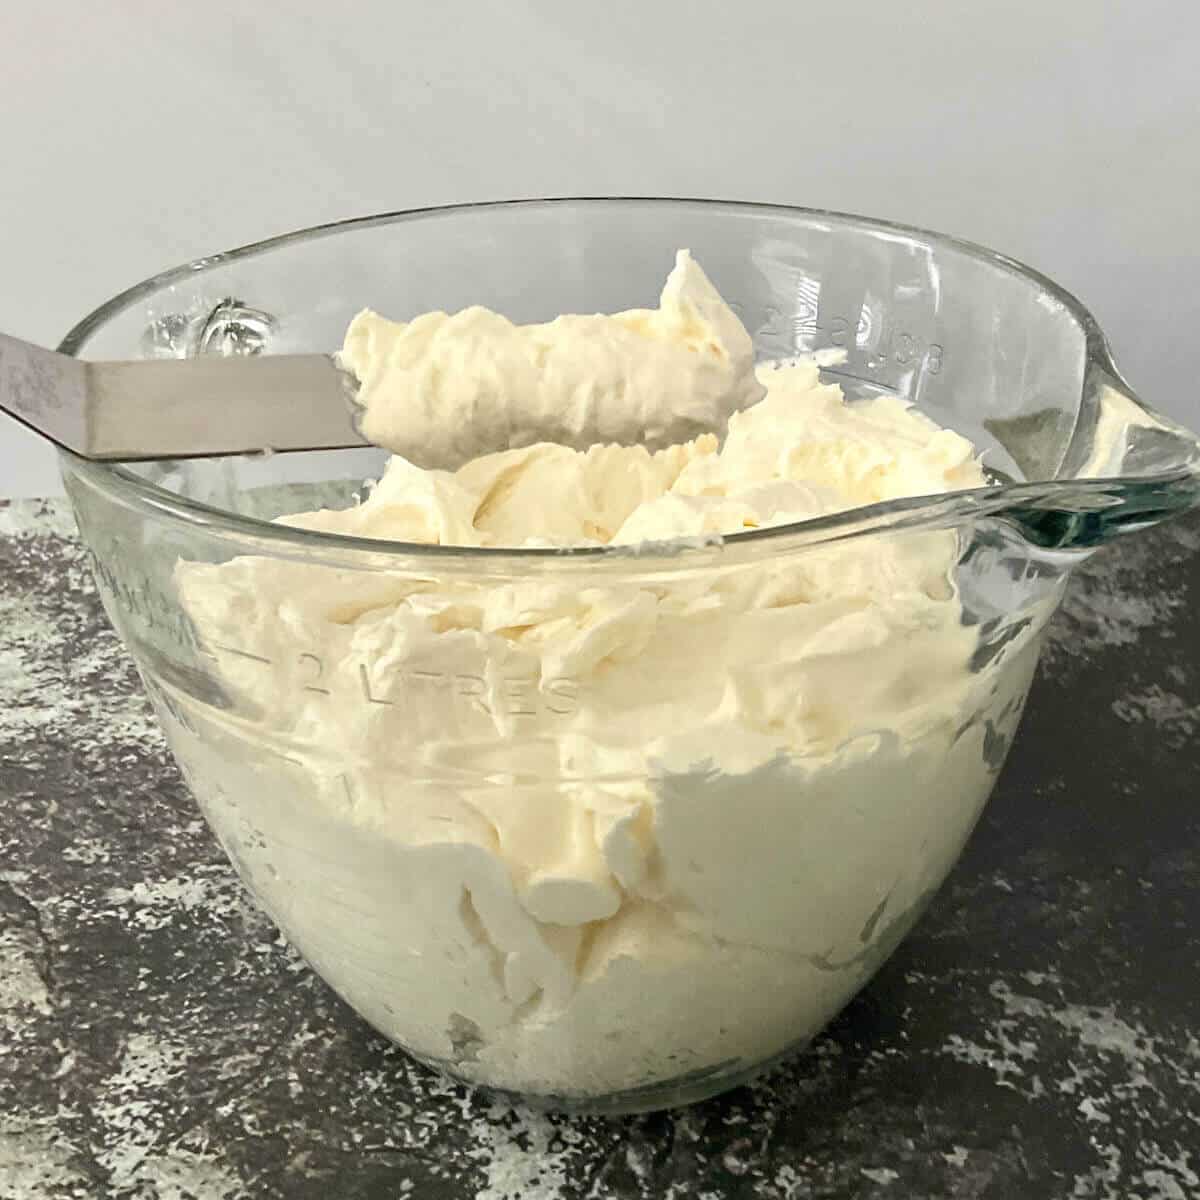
column 379, row 801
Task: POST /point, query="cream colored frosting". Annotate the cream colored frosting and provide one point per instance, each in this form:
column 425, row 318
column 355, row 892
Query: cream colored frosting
column 574, row 830
column 442, row 389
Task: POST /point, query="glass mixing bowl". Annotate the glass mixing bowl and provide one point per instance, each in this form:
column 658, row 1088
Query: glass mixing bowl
column 633, row 877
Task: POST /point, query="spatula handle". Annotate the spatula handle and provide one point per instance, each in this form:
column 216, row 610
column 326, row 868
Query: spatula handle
column 45, row 391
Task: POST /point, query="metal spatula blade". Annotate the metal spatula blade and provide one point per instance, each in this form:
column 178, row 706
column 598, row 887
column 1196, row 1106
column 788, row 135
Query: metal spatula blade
column 179, row 408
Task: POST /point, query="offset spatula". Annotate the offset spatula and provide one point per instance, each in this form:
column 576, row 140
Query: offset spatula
column 179, row 408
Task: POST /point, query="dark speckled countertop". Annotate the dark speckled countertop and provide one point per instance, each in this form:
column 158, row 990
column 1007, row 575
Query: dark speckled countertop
column 1038, row 1035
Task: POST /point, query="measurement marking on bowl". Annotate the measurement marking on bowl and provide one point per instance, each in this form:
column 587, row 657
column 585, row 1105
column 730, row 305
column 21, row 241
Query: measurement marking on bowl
column 243, row 653
column 875, row 383
column 514, row 696
column 131, row 595
column 800, row 329
column 307, row 656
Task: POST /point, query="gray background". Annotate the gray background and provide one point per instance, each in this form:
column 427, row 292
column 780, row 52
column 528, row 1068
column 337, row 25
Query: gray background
column 137, row 134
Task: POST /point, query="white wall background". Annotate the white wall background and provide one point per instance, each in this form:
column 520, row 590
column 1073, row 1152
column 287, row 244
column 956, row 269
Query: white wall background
column 138, row 133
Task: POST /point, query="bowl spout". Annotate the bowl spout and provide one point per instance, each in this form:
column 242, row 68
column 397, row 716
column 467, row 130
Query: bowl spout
column 1126, row 467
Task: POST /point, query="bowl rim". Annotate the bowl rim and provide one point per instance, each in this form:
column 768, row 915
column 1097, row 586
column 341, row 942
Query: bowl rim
column 936, row 510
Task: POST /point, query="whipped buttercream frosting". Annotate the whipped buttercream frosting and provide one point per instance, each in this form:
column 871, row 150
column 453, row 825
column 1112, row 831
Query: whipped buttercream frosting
column 573, row 832
column 443, row 388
